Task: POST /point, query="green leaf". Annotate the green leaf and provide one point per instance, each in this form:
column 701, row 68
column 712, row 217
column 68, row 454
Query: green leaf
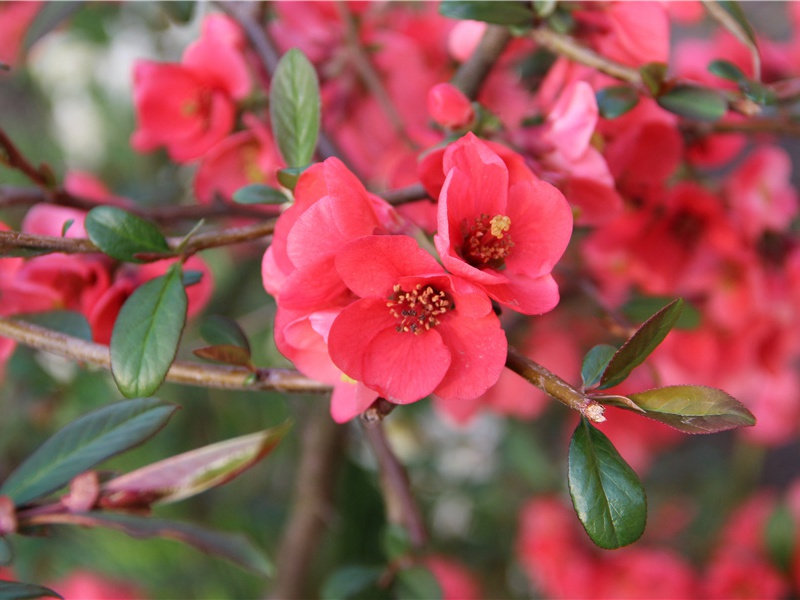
column 178, row 11
column 595, row 363
column 694, row 408
column 640, row 308
column 235, row 548
column 193, row 472
column 694, row 102
column 64, row 321
column 191, row 277
column 258, row 193
column 122, row 235
column 616, row 100
column 350, row 582
column 653, row 75
column 6, row 552
column 758, row 92
column 146, row 334
column 606, row 493
column 15, row 590
column 288, row 177
column 419, row 583
column 84, row 443
column 726, row 70
column 498, row 12
column 65, row 227
column 294, row 108
column 220, row 330
column 641, row 344
column 779, row 537
column 396, row 541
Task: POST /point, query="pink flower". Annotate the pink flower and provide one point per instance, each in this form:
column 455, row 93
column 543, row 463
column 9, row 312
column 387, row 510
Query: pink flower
column 15, row 19
column 502, row 229
column 456, row 582
column 414, row 330
column 85, row 585
column 189, row 107
column 449, row 107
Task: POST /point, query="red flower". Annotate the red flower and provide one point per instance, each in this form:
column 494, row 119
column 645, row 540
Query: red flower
column 189, row 107
column 415, row 330
column 501, row 227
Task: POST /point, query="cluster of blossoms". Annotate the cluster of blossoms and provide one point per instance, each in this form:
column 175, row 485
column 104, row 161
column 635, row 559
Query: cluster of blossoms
column 362, row 306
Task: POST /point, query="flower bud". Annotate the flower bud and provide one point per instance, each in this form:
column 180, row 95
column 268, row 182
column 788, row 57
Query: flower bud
column 449, row 107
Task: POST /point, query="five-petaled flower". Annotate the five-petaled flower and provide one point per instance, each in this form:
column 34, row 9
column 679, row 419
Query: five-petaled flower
column 501, row 227
column 414, row 329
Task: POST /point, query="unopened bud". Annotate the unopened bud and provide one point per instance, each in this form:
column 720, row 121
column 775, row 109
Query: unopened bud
column 449, row 107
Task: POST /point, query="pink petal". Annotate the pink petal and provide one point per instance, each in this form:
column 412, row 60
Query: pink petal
column 350, row 399
column 478, row 348
column 404, row 367
column 353, row 330
column 527, row 296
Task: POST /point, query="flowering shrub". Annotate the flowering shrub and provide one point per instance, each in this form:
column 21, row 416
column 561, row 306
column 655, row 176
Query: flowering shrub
column 403, row 230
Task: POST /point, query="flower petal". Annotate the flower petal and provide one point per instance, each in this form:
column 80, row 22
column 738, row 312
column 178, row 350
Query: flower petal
column 354, row 329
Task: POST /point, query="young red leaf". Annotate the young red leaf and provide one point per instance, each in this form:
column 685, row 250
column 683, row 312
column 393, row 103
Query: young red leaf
column 193, row 472
column 694, row 408
column 225, row 353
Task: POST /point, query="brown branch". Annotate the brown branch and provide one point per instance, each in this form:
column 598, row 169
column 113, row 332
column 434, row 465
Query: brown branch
column 312, row 504
column 14, row 159
column 199, row 241
column 568, row 47
column 411, row 193
column 185, row 372
column 401, row 506
column 554, row 386
column 471, row 74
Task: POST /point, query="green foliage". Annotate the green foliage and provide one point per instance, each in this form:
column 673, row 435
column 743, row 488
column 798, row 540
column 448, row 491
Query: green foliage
column 780, row 537
column 417, row 583
column 258, row 193
column 237, row 549
column 499, row 12
column 65, row 321
column 694, row 102
column 653, row 75
column 693, row 408
column 639, row 308
column 220, row 330
column 726, row 70
column 641, row 344
column 294, row 108
column 616, row 100
column 146, row 334
column 16, row 590
column 606, row 493
column 123, row 235
column 83, row 444
column 595, row 363
column 352, row 581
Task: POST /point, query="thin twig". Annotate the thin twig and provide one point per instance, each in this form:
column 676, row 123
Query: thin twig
column 185, row 372
column 554, row 386
column 401, row 507
column 471, row 75
column 312, row 504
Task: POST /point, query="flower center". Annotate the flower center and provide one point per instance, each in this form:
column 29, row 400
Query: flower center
column 418, row 310
column 487, row 242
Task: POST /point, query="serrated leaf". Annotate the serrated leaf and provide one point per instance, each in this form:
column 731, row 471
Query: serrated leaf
column 227, row 354
column 616, row 100
column 418, row 583
column 146, row 334
column 122, row 235
column 294, row 108
column 220, row 330
column 641, row 344
column 498, row 12
column 16, row 590
column 694, row 102
column 640, row 308
column 258, row 193
column 64, row 321
column 236, row 548
column 779, row 537
column 193, row 472
column 595, row 363
column 606, row 493
column 350, row 581
column 726, row 70
column 694, row 408
column 84, row 443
